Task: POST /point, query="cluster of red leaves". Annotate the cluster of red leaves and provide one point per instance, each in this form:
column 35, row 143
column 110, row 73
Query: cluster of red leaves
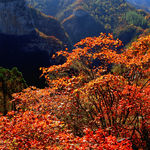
column 137, row 60
column 114, row 105
column 28, row 130
column 85, row 107
column 95, row 140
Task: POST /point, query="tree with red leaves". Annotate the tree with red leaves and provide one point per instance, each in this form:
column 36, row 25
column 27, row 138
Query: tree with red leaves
column 98, row 99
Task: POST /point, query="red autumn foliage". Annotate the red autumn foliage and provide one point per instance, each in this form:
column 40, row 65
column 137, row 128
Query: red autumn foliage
column 86, row 106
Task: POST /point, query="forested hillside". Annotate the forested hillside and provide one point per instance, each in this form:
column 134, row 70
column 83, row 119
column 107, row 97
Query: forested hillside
column 51, row 7
column 114, row 16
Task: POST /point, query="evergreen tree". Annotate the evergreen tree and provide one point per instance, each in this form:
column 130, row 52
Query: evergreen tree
column 11, row 81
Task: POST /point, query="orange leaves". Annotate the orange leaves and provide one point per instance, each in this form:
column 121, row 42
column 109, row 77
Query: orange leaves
column 102, row 48
column 102, row 41
column 111, row 103
column 100, row 140
column 98, row 99
column 29, row 130
column 83, row 95
column 139, row 52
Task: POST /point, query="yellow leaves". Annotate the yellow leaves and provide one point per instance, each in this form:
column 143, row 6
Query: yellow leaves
column 76, row 90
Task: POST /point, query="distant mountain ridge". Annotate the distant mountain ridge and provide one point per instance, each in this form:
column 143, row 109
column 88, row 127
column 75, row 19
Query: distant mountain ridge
column 143, row 4
column 114, row 16
column 51, row 7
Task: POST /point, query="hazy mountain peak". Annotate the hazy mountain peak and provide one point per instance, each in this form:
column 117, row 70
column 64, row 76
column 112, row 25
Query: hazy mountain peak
column 143, row 4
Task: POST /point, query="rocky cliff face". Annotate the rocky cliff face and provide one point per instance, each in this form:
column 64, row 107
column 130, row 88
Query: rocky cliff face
column 27, row 38
column 15, row 17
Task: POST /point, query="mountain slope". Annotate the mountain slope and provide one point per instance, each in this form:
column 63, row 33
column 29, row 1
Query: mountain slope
column 105, row 16
column 50, row 7
column 27, row 37
column 81, row 24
